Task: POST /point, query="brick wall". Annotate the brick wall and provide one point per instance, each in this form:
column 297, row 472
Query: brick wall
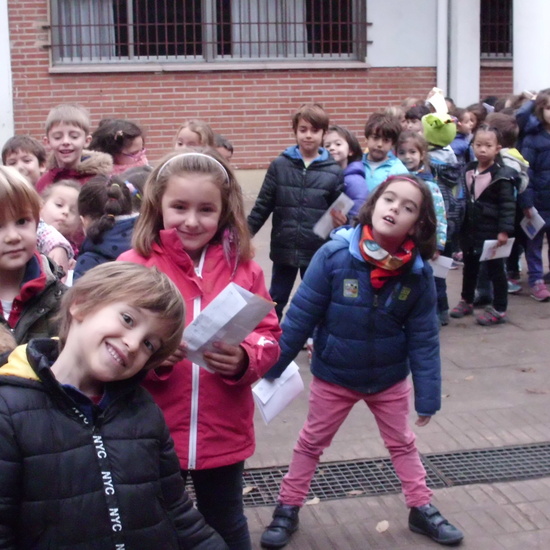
column 496, row 81
column 251, row 108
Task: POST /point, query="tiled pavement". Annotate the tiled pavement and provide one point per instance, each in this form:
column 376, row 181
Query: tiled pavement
column 496, row 392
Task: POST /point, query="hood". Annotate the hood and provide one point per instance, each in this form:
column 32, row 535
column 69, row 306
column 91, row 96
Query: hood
column 18, row 365
column 115, row 241
column 293, row 152
column 355, row 167
column 91, row 162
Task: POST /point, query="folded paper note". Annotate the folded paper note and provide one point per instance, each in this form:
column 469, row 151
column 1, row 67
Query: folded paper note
column 532, row 225
column 441, row 266
column 491, row 251
column 230, row 317
column 273, row 396
column 324, row 226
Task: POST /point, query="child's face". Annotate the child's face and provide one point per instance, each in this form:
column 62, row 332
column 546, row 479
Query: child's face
column 26, row 163
column 338, row 147
column 67, row 143
column 395, row 214
column 17, row 242
column 466, row 124
column 309, row 139
column 225, row 153
column 61, row 210
column 192, row 205
column 113, row 342
column 414, row 125
column 187, row 138
column 486, row 147
column 410, row 155
column 132, row 154
column 546, row 113
column 378, row 147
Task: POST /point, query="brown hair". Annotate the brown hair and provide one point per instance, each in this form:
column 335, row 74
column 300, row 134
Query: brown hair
column 69, row 113
column 312, row 113
column 113, row 134
column 201, row 128
column 232, row 231
column 383, row 125
column 18, row 198
column 26, row 144
column 419, row 142
column 72, row 184
column 139, row 286
column 543, row 97
column 506, row 125
column 424, row 229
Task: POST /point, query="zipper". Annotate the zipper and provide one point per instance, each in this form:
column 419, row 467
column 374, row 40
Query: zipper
column 195, row 377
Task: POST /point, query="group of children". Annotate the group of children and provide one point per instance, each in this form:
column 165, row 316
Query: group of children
column 367, row 298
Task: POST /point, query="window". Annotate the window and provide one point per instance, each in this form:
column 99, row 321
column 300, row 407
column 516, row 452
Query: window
column 191, row 31
column 496, row 29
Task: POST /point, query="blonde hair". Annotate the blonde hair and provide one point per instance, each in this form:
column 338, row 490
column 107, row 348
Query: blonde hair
column 72, row 184
column 138, row 286
column 232, row 232
column 202, row 129
column 18, row 198
column 69, row 113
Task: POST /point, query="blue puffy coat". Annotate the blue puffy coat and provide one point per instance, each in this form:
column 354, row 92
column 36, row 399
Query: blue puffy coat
column 365, row 339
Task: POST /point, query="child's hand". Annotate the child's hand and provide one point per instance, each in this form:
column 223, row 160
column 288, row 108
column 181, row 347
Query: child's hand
column 502, row 238
column 338, row 218
column 436, row 255
column 227, row 360
column 179, row 355
column 422, row 420
column 528, row 213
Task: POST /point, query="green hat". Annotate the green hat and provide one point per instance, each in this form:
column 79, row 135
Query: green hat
column 439, row 129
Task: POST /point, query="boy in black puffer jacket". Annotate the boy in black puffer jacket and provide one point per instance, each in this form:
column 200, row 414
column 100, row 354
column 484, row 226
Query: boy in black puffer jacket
column 86, row 459
column 299, row 187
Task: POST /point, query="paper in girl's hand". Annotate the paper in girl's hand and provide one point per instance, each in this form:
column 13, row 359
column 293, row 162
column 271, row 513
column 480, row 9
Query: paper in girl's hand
column 532, row 225
column 324, row 226
column 491, row 251
column 441, row 266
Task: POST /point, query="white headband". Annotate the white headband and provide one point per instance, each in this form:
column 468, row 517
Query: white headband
column 194, row 154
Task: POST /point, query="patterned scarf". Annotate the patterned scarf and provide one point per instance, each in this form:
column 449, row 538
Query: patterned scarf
column 385, row 265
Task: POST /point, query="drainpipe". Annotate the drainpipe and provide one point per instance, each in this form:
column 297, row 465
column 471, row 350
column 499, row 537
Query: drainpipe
column 442, row 46
column 6, row 91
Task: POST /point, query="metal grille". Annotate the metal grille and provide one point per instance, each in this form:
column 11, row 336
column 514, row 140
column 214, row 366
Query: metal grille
column 349, row 479
column 496, row 28
column 103, row 31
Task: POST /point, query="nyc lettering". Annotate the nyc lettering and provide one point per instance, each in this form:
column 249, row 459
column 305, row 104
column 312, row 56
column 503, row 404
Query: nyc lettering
column 120, row 547
column 80, row 415
column 99, row 447
column 116, row 524
column 108, row 483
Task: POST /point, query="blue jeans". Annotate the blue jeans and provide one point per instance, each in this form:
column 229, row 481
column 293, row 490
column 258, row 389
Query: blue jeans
column 533, row 255
column 219, row 495
column 282, row 281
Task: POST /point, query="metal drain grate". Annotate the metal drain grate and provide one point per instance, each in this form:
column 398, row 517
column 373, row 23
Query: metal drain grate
column 490, row 465
column 348, row 479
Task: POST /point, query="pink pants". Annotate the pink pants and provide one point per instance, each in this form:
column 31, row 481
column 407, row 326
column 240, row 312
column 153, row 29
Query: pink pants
column 329, row 405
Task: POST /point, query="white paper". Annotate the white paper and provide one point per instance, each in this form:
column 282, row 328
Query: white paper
column 441, row 266
column 324, row 226
column 534, row 225
column 229, row 318
column 273, row 396
column 491, row 251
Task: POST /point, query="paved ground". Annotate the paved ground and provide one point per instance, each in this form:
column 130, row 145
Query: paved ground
column 496, row 392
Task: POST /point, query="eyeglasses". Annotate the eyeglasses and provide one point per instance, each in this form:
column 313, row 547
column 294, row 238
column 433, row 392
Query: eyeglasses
column 136, row 154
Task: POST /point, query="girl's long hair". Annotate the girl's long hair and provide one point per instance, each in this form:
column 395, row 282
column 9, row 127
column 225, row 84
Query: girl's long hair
column 232, row 232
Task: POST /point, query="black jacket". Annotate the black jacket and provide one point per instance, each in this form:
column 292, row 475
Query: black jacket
column 74, row 476
column 490, row 205
column 298, row 197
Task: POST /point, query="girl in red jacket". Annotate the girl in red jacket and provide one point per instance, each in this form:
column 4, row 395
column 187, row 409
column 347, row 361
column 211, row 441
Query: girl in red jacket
column 192, row 227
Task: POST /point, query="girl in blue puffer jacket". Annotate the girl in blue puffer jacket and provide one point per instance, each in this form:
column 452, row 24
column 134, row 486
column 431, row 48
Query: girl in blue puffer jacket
column 370, row 296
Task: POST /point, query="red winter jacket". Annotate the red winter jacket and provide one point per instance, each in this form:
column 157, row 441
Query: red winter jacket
column 222, row 425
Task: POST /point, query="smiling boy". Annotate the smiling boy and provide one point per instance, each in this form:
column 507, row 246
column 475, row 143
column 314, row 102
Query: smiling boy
column 67, row 136
column 73, row 411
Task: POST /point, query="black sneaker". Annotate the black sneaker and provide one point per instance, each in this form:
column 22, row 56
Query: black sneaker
column 428, row 521
column 285, row 522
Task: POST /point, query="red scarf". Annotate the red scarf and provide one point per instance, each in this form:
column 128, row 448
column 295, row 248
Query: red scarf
column 385, row 265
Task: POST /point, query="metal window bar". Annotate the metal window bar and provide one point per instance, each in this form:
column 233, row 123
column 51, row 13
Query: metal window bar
column 207, row 30
column 496, row 29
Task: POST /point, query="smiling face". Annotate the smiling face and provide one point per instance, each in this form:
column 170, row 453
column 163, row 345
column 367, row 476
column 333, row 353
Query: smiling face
column 409, row 154
column 309, row 139
column 67, row 142
column 192, row 205
column 25, row 163
column 395, row 214
column 338, row 147
column 60, row 210
column 17, row 242
column 113, row 342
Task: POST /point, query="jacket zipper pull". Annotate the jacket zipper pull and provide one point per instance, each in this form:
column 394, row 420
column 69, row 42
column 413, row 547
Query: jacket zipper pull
column 375, row 300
